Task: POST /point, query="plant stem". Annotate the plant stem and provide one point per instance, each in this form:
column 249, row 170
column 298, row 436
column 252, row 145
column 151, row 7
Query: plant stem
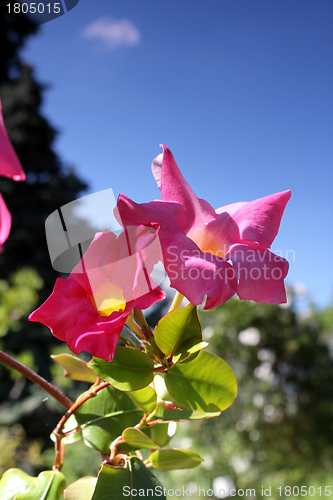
column 142, row 322
column 135, row 328
column 37, row 379
column 94, row 389
column 177, row 300
column 59, row 448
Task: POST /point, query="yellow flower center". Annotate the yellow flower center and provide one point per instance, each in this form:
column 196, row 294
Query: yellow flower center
column 108, row 299
column 207, row 243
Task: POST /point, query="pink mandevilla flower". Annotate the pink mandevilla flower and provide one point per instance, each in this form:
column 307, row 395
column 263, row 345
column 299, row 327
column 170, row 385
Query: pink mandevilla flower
column 213, row 252
column 89, row 309
column 10, row 166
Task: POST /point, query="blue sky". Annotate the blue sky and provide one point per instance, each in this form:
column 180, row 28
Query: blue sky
column 240, row 90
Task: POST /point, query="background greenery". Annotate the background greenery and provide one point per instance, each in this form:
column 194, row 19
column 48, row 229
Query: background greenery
column 279, row 430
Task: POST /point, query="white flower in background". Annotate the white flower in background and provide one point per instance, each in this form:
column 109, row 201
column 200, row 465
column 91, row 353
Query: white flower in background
column 222, row 486
column 249, row 336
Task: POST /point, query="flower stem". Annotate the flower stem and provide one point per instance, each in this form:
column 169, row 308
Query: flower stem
column 58, row 431
column 135, row 328
column 37, row 379
column 142, row 322
column 177, row 300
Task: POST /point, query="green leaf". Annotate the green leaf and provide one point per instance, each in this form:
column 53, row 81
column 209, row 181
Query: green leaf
column 179, row 415
column 160, row 387
column 15, row 481
column 137, row 439
column 75, row 368
column 83, row 489
column 159, row 434
column 175, row 328
column 206, row 384
column 104, row 417
column 189, row 348
column 174, row 459
column 130, row 370
column 118, row 483
column 49, row 486
column 70, row 425
column 145, row 399
column 176, row 415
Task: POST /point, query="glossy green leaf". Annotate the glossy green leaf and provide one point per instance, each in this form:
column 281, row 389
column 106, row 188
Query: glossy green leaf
column 70, row 425
column 83, row 489
column 49, row 485
column 118, row 483
column 161, row 388
column 175, row 415
column 159, row 434
column 206, row 384
column 130, row 370
column 189, row 348
column 15, row 481
column 137, row 439
column 75, row 368
column 175, row 328
column 104, row 417
column 174, row 459
column 145, row 399
column 179, row 415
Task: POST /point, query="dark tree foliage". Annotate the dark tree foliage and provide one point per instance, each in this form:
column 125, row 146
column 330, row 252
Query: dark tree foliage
column 49, row 185
column 14, row 29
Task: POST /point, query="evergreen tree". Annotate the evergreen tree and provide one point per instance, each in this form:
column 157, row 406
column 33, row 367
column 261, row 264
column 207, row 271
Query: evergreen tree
column 14, row 29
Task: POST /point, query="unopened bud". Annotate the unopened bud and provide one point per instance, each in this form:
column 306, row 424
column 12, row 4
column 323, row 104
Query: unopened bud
column 168, row 405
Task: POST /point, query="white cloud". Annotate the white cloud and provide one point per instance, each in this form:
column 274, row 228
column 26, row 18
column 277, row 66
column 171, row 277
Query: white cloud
column 114, row 33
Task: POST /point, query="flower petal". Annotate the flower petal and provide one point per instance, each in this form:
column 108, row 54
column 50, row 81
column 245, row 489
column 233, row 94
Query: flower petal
column 156, row 168
column 5, row 221
column 175, row 188
column 90, row 308
column 231, row 208
column 10, row 165
column 218, row 235
column 168, row 215
column 260, row 273
column 115, row 270
column 196, row 274
column 144, row 301
column 72, row 318
column 259, row 220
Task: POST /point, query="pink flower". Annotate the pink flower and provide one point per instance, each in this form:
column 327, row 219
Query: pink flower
column 199, row 242
column 5, row 222
column 90, row 308
column 10, row 166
